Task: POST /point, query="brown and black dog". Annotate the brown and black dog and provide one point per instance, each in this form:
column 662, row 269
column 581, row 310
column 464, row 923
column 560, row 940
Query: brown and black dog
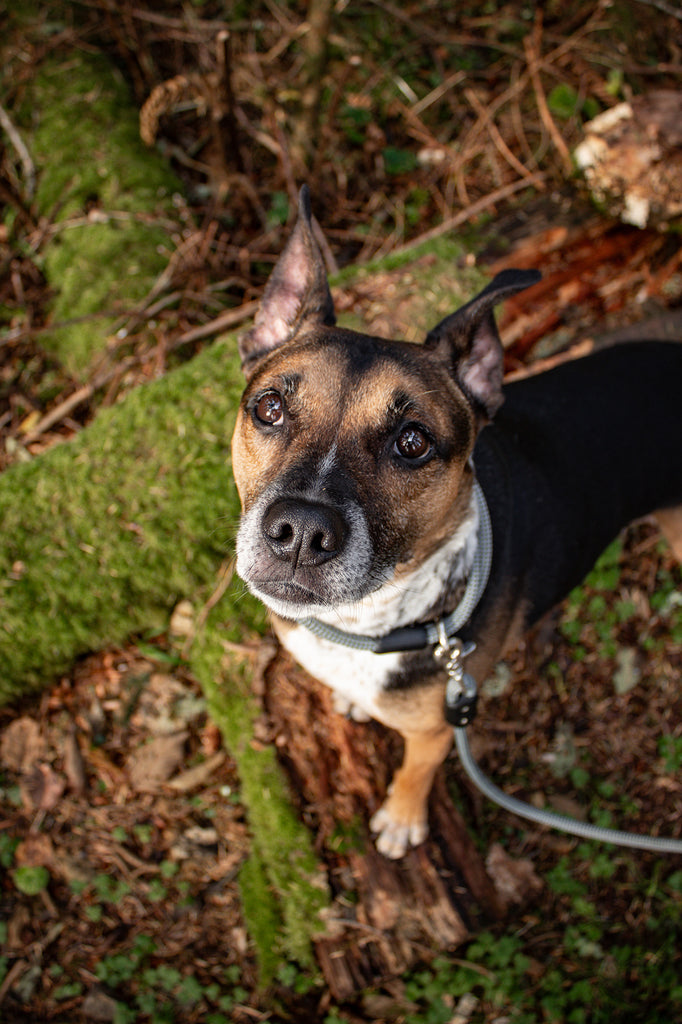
column 355, row 459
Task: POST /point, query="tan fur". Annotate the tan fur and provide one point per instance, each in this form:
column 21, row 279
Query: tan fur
column 670, row 522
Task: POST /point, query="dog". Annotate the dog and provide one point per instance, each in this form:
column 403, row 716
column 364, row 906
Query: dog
column 366, row 468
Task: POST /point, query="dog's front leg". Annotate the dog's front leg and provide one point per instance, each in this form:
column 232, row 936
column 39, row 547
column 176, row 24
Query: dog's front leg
column 402, row 820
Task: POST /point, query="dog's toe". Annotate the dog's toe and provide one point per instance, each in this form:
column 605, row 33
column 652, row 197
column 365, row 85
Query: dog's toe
column 394, row 838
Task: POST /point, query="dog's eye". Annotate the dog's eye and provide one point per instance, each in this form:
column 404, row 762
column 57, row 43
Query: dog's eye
column 412, row 443
column 269, row 409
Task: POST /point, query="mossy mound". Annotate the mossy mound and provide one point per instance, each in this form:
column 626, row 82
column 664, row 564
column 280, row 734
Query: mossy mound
column 102, row 536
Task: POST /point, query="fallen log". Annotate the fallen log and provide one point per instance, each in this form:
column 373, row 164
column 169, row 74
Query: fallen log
column 104, row 535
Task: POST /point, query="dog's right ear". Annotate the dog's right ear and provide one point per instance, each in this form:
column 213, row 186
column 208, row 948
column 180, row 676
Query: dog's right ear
column 296, row 295
column 468, row 339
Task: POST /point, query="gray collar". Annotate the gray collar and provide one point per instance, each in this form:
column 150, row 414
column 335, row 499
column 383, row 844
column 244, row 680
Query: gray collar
column 427, row 634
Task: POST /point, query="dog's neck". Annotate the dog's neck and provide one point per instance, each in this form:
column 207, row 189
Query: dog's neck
column 421, row 594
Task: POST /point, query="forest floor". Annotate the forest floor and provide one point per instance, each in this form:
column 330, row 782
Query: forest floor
column 121, row 826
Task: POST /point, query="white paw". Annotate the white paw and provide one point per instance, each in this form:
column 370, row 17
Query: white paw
column 345, row 707
column 394, row 838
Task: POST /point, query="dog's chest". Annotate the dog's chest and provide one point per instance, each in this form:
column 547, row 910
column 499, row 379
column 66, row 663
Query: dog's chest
column 359, row 677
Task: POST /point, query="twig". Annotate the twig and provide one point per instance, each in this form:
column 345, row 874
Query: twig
column 23, row 153
column 479, row 206
column 225, row 574
column 314, row 46
column 60, row 412
column 494, row 133
column 226, row 123
column 531, row 45
column 230, row 318
column 437, row 94
column 577, row 351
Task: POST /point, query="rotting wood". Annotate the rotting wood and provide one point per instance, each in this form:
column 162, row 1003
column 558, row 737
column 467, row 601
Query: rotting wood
column 399, row 911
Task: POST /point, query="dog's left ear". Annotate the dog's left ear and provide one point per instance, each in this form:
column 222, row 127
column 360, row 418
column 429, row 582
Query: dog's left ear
column 297, row 293
column 469, row 339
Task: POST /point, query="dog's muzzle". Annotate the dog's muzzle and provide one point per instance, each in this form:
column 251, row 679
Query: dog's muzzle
column 302, row 556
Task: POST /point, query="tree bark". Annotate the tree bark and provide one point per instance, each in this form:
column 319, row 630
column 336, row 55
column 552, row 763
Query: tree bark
column 387, row 915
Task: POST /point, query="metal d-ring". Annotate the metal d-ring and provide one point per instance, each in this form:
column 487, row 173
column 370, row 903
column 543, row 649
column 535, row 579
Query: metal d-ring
column 461, row 693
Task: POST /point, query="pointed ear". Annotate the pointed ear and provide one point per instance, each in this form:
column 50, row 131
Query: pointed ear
column 469, row 339
column 297, row 292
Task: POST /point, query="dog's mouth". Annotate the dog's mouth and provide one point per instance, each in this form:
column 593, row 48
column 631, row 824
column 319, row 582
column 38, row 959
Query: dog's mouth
column 288, row 592
column 290, row 600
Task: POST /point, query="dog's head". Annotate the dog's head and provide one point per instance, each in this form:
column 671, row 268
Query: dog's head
column 351, row 452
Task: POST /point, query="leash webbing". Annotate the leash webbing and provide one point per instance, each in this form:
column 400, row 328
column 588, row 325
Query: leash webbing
column 582, row 829
column 430, row 633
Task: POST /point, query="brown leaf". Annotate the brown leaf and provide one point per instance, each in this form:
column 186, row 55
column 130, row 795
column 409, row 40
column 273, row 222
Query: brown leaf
column 155, row 762
column 21, row 745
column 73, row 763
column 36, row 850
column 98, row 1006
column 514, row 880
column 41, row 788
column 197, row 775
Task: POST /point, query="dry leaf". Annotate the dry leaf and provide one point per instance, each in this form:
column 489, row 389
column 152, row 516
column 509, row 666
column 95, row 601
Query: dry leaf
column 155, row 762
column 41, row 788
column 514, row 880
column 198, row 775
column 21, row 745
column 35, row 850
column 73, row 763
column 98, row 1006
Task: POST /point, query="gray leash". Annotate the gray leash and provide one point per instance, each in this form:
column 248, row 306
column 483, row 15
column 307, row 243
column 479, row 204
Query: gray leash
column 460, row 704
column 583, row 829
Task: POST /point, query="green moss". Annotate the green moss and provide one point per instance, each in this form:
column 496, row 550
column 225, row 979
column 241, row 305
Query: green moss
column 284, row 890
column 262, row 914
column 111, row 195
column 102, row 536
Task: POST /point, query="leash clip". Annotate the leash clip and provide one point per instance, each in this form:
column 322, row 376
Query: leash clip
column 461, row 694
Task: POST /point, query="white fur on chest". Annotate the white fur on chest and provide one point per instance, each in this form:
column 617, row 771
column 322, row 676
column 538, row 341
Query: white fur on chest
column 361, row 676
column 358, row 677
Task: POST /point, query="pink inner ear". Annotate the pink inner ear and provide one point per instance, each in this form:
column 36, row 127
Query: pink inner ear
column 483, row 378
column 481, row 371
column 297, row 291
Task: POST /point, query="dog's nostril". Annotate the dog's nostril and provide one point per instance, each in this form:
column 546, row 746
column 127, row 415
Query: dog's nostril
column 323, row 541
column 281, row 531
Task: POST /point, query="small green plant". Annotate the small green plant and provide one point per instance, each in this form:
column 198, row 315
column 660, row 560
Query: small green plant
column 670, row 749
column 8, row 845
column 110, row 890
column 31, row 879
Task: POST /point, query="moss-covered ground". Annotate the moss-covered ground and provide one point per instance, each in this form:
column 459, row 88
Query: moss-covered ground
column 108, row 197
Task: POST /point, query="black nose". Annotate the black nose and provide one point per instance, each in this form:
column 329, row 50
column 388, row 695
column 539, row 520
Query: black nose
column 303, row 533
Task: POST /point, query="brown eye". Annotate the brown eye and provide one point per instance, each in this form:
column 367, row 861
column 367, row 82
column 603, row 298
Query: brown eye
column 412, row 442
column 269, row 409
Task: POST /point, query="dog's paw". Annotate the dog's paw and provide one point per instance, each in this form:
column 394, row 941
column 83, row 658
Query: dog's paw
column 345, row 707
column 394, row 837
